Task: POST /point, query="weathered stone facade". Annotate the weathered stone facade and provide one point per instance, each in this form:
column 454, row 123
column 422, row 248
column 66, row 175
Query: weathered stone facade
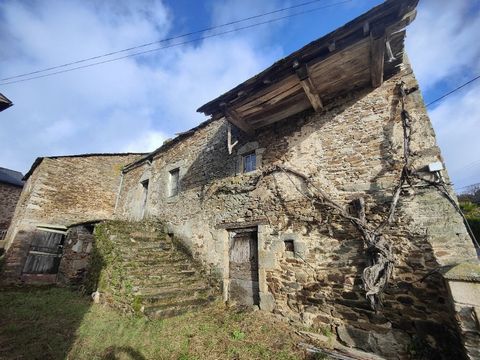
column 354, row 149
column 61, row 191
column 274, row 200
column 9, row 195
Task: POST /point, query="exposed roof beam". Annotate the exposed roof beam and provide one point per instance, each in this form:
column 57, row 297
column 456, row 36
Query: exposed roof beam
column 236, row 120
column 309, row 88
column 377, row 57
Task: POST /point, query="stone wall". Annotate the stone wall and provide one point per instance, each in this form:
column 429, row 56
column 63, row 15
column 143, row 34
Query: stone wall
column 9, row 195
column 62, row 191
column 77, row 251
column 354, row 149
column 464, row 286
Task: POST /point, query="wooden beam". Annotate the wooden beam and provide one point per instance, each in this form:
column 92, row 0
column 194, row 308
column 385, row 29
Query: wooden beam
column 236, row 120
column 309, row 88
column 377, row 58
column 230, row 145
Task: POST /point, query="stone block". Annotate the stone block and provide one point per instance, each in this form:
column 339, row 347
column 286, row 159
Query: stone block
column 465, row 292
column 267, row 302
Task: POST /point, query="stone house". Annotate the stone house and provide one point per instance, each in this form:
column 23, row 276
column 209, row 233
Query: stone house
column 11, row 185
column 316, row 191
column 59, row 191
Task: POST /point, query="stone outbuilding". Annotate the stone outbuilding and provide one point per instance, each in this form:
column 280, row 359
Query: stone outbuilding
column 59, row 191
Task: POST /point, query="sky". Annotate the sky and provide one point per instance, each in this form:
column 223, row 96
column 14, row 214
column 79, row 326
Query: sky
column 134, row 104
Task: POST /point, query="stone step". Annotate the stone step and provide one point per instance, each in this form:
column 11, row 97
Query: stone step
column 160, row 283
column 159, row 273
column 174, row 297
column 166, row 311
column 142, row 247
column 167, row 280
column 148, row 265
column 167, row 256
column 167, row 291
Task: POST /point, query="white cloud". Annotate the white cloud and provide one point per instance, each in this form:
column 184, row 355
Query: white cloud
column 128, row 105
column 145, row 142
column 443, row 47
column 443, row 41
column 457, row 123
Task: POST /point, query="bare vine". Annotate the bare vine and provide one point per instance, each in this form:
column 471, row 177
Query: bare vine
column 379, row 250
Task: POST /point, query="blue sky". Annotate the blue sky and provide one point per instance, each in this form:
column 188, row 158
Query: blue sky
column 136, row 103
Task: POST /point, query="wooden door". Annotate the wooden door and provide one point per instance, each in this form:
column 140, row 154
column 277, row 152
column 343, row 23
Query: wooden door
column 45, row 253
column 243, row 267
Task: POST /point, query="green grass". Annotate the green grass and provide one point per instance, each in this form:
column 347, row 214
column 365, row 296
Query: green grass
column 472, row 213
column 54, row 323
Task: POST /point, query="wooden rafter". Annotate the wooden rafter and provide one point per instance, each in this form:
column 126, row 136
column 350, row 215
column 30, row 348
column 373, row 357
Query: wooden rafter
column 236, row 120
column 377, row 57
column 309, row 88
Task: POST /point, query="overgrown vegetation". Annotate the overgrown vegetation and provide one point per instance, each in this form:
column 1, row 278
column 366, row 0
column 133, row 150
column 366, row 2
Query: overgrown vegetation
column 107, row 273
column 54, row 323
column 470, row 205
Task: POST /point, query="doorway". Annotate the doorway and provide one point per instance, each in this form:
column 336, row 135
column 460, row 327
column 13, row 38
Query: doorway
column 243, row 267
column 45, row 253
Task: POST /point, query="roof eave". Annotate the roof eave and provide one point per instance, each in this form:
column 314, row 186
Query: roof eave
column 284, row 67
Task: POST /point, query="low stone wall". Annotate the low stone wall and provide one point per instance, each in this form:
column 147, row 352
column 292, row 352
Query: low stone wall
column 464, row 285
column 77, row 251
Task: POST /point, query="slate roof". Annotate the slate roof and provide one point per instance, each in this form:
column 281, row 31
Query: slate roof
column 4, row 102
column 11, row 177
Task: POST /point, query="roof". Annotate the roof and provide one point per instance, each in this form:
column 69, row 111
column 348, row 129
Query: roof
column 39, row 160
column 4, row 102
column 11, row 177
column 356, row 55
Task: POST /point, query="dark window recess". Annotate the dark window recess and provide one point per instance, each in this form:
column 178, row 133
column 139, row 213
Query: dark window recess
column 174, row 181
column 144, row 196
column 289, row 245
column 249, row 162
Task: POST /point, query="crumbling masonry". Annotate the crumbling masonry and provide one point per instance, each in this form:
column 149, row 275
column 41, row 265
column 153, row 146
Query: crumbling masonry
column 314, row 192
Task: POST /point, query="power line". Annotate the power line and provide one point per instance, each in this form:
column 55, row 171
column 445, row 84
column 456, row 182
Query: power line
column 469, row 165
column 468, row 186
column 172, row 38
column 452, row 91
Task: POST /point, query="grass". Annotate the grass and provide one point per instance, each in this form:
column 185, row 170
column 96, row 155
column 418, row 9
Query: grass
column 472, row 213
column 55, row 323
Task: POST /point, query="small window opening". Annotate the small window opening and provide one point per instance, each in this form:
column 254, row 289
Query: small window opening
column 249, row 162
column 174, row 181
column 144, row 196
column 90, row 228
column 289, row 245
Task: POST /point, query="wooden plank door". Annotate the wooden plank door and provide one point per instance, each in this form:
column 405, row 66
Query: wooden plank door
column 45, row 253
column 243, row 267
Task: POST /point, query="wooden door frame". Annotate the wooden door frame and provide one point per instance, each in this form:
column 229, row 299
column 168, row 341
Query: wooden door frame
column 232, row 232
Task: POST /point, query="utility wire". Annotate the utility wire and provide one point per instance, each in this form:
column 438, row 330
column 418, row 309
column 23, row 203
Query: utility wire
column 172, row 38
column 454, row 90
column 469, row 186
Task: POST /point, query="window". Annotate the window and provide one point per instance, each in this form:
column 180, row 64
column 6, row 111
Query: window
column 249, row 162
column 144, row 196
column 174, row 181
column 289, row 245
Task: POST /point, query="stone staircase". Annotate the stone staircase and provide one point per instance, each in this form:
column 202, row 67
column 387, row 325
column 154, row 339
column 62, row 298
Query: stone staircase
column 159, row 278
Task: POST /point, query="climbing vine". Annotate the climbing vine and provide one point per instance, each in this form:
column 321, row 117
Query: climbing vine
column 379, row 251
